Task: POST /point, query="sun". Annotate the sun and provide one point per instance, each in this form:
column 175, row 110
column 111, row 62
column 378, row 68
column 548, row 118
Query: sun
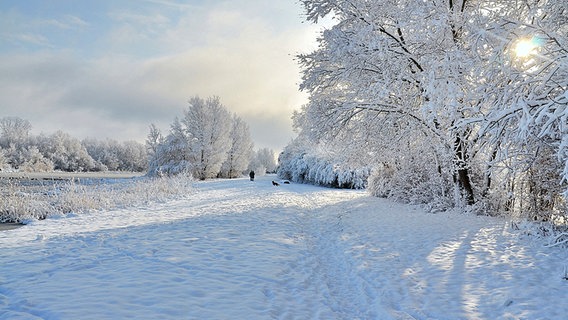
column 525, row 47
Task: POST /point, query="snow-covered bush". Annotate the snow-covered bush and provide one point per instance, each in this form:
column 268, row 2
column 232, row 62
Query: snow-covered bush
column 535, row 189
column 35, row 161
column 20, row 202
column 17, row 205
column 552, row 233
column 412, row 182
column 300, row 166
column 3, row 160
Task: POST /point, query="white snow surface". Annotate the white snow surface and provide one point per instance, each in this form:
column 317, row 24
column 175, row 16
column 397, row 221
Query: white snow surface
column 236, row 249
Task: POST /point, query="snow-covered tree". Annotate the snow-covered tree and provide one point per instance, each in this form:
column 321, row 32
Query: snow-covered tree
column 14, row 139
column 113, row 155
column 207, row 123
column 14, row 130
column 198, row 142
column 153, row 140
column 67, row 153
column 133, row 156
column 240, row 151
column 522, row 49
column 172, row 155
column 445, row 84
column 35, row 161
column 60, row 151
column 383, row 62
column 99, row 151
column 265, row 158
column 263, row 161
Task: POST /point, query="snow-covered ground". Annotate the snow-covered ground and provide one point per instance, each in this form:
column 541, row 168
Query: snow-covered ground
column 236, row 249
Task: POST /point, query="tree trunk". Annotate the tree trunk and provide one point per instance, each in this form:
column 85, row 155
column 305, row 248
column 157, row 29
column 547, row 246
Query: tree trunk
column 463, row 178
column 488, row 172
column 465, row 185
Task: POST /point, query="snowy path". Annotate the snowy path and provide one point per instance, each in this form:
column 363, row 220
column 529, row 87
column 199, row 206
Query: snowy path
column 242, row 250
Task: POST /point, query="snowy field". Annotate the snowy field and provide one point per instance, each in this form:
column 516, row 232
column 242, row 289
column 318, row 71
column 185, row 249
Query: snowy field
column 236, row 249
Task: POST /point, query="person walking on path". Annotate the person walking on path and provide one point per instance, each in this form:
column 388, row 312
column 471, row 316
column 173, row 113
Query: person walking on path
column 251, row 175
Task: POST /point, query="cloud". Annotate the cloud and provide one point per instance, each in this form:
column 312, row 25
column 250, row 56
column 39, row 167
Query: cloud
column 66, row 22
column 170, row 3
column 150, row 62
column 30, row 38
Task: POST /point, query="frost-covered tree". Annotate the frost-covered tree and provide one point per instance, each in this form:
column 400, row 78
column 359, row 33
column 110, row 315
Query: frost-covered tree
column 522, row 49
column 153, row 140
column 67, row 153
column 113, row 155
column 197, row 143
column 60, row 151
column 263, row 161
column 14, row 131
column 444, row 84
column 14, row 139
column 35, row 161
column 172, row 155
column 133, row 156
column 99, row 151
column 207, row 123
column 388, row 58
column 239, row 153
column 265, row 157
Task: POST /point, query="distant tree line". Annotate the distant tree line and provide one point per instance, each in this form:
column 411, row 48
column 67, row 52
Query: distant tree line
column 19, row 150
column 206, row 142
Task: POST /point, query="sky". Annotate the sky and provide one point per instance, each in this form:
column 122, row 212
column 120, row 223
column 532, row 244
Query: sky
column 108, row 69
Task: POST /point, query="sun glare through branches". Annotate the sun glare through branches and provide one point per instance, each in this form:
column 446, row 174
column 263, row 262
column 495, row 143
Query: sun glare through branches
column 526, row 47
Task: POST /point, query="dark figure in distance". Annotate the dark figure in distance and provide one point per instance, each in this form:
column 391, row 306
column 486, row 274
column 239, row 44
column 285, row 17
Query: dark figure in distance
column 251, row 175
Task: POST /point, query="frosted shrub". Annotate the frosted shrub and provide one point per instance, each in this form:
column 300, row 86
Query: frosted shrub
column 412, row 183
column 312, row 169
column 551, row 233
column 83, row 198
column 170, row 168
column 526, row 187
column 79, row 198
column 19, row 203
column 16, row 205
